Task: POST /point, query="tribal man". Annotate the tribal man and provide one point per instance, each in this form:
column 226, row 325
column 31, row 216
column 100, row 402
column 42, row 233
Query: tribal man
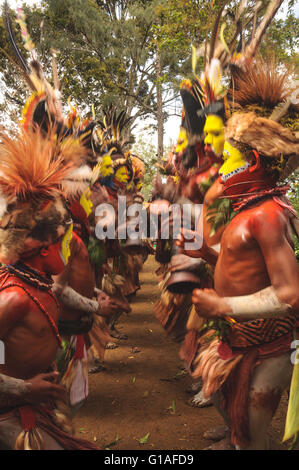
column 256, row 275
column 34, row 236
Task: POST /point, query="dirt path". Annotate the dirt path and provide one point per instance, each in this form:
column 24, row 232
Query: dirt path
column 143, row 394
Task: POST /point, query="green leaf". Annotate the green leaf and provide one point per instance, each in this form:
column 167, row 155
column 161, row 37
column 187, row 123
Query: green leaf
column 172, row 408
column 111, row 444
column 144, row 439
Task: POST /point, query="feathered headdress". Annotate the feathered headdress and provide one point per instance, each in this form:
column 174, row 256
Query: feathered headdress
column 43, row 106
column 201, row 96
column 111, row 138
column 33, row 209
column 138, row 167
column 112, row 129
column 267, row 117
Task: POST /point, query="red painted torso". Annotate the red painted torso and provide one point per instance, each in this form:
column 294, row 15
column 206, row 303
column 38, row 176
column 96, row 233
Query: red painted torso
column 30, row 343
column 241, row 268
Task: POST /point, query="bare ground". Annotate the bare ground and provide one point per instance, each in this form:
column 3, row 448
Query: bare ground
column 140, row 401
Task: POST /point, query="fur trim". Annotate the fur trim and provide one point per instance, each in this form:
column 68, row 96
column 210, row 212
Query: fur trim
column 268, row 137
column 77, row 181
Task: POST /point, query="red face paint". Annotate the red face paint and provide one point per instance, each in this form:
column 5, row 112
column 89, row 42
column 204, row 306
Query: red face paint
column 52, row 259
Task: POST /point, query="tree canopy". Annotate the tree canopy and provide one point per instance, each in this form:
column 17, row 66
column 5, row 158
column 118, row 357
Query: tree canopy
column 108, row 50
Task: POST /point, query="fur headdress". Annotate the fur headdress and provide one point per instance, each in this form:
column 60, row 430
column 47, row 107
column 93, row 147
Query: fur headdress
column 267, row 113
column 33, row 209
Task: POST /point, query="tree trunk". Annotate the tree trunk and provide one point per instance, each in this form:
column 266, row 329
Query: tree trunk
column 160, row 122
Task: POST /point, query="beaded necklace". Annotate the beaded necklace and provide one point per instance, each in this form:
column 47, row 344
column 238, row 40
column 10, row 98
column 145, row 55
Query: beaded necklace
column 30, row 275
column 5, row 273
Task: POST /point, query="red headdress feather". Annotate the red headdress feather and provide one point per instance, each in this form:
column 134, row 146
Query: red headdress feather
column 32, row 166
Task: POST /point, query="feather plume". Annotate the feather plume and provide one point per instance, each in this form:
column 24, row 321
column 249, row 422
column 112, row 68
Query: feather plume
column 54, row 70
column 282, row 108
column 21, row 20
column 19, row 62
column 113, row 127
column 32, row 166
column 261, row 83
column 12, row 38
column 138, row 166
column 216, row 31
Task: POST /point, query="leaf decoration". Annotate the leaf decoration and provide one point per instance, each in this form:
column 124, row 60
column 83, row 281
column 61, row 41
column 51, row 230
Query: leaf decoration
column 144, row 439
column 219, row 214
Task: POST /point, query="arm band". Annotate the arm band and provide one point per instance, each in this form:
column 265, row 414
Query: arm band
column 73, row 299
column 13, row 386
column 261, row 304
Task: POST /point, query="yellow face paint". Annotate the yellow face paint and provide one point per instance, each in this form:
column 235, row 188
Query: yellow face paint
column 121, row 175
column 86, row 202
column 234, row 160
column 182, row 141
column 139, row 185
column 106, row 168
column 65, row 245
column 214, row 134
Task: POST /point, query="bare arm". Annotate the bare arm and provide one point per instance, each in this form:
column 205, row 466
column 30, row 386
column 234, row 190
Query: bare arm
column 269, row 229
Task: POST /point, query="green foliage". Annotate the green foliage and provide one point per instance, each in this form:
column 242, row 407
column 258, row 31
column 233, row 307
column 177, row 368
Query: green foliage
column 96, row 251
column 108, row 49
column 220, row 213
column 221, row 328
column 294, row 198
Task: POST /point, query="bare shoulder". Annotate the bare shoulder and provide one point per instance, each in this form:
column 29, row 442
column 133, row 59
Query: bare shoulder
column 14, row 306
column 268, row 219
column 14, row 297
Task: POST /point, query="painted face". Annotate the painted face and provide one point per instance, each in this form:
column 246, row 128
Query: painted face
column 65, row 245
column 234, row 162
column 214, row 135
column 86, row 202
column 122, row 175
column 106, row 168
column 139, row 186
column 182, row 142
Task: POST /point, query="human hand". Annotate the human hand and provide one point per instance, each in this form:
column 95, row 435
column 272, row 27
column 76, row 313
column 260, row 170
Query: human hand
column 43, row 388
column 107, row 305
column 191, row 244
column 209, row 304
